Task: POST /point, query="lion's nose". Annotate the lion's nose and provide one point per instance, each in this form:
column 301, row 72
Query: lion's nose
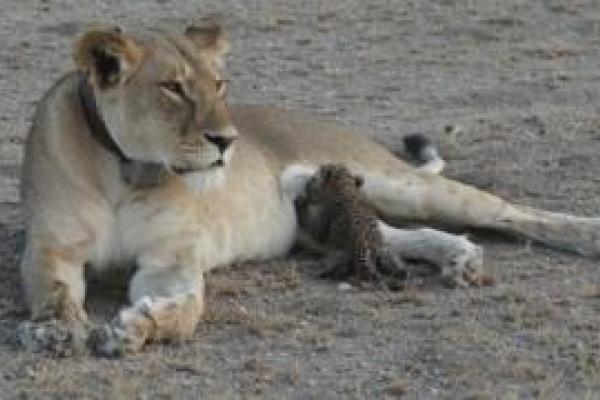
column 222, row 142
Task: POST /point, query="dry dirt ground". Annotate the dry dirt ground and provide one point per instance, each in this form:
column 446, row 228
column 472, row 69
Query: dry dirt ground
column 522, row 79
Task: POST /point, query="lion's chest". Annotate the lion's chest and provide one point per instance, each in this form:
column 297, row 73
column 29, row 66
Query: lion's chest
column 206, row 230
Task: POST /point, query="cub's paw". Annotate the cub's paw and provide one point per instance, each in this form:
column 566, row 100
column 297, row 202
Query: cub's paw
column 57, row 337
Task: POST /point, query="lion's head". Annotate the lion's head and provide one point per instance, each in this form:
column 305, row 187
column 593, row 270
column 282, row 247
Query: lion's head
column 162, row 99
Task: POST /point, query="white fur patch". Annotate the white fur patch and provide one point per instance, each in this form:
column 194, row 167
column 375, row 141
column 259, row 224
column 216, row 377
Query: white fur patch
column 202, row 181
column 229, row 131
column 294, row 178
column 435, row 164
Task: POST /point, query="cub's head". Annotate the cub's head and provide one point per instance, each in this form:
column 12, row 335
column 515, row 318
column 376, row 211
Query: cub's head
column 331, row 179
column 163, row 99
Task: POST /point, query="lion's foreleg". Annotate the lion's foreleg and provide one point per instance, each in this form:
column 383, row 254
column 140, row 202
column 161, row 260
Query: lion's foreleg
column 428, row 197
column 53, row 279
column 166, row 304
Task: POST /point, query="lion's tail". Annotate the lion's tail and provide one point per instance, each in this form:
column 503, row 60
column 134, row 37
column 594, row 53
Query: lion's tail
column 424, row 154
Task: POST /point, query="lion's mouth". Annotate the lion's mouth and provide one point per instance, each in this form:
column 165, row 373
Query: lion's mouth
column 218, row 163
column 189, row 169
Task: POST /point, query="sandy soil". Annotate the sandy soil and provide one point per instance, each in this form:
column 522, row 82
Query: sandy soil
column 521, row 78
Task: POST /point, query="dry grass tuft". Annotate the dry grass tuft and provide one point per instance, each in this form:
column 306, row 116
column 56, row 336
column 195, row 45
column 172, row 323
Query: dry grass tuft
column 223, row 285
column 265, row 326
column 258, row 323
column 480, row 395
column 320, row 340
column 526, row 371
column 260, row 375
column 256, row 364
column 225, row 313
column 512, row 294
column 409, row 296
column 485, row 279
column 248, row 279
column 88, row 385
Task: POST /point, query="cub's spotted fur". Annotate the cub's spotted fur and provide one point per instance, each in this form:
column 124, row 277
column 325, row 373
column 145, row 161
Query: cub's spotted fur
column 346, row 225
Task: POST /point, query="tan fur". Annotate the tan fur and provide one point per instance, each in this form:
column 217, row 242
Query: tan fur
column 80, row 210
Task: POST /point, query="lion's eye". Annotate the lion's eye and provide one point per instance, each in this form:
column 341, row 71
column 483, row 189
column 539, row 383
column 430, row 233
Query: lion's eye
column 173, row 88
column 220, row 85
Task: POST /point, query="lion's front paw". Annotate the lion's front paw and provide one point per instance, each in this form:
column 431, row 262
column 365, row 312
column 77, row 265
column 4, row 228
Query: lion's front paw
column 53, row 336
column 126, row 334
column 113, row 341
column 465, row 268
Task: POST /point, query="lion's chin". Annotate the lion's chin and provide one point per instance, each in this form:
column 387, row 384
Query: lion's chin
column 202, row 181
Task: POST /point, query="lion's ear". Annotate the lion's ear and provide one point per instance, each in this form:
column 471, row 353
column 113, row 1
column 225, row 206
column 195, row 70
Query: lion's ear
column 210, row 40
column 108, row 56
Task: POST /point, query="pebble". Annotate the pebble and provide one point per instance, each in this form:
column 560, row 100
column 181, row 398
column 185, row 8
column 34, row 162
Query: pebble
column 344, row 287
column 562, row 76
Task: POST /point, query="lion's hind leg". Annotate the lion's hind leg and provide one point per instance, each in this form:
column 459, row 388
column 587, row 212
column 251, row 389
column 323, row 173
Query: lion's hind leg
column 419, row 196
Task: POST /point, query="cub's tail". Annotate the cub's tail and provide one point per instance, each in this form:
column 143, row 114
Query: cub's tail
column 423, row 153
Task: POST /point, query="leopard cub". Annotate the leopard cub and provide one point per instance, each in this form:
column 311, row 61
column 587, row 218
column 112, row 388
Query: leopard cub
column 334, row 213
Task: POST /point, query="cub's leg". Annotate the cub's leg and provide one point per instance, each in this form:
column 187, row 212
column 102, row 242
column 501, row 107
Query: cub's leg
column 365, row 268
column 414, row 195
column 390, row 264
column 53, row 279
column 167, row 301
column 337, row 264
column 392, row 269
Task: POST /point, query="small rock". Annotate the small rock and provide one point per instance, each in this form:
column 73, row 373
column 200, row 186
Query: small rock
column 344, row 287
column 562, row 76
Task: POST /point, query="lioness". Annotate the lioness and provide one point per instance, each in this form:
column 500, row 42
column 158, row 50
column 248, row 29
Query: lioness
column 158, row 103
